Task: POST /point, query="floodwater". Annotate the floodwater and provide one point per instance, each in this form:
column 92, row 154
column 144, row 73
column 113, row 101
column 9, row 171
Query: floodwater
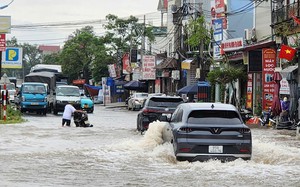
column 40, row 152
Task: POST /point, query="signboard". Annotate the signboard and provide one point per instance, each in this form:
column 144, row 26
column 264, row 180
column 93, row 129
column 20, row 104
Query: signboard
column 284, row 87
column 249, row 91
column 12, row 58
column 232, row 44
column 112, row 70
column 126, row 65
column 268, row 64
column 5, row 24
column 148, row 67
column 218, row 37
column 2, row 42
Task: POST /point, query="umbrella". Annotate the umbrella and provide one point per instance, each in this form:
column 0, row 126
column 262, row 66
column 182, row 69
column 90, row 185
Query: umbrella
column 191, row 89
column 135, row 85
column 276, row 107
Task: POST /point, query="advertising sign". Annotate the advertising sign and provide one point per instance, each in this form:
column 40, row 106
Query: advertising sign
column 5, row 24
column 218, row 37
column 12, row 58
column 249, row 91
column 148, row 67
column 268, row 64
column 126, row 65
column 2, row 42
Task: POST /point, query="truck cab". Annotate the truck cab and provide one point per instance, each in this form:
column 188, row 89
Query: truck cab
column 33, row 97
column 66, row 94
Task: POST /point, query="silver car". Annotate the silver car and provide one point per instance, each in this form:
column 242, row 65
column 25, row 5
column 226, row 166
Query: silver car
column 203, row 131
column 136, row 101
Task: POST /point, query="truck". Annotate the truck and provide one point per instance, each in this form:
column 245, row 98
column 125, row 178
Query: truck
column 47, row 78
column 33, row 97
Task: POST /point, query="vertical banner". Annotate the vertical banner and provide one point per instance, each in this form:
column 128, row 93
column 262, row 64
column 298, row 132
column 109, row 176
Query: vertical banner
column 148, row 67
column 218, row 37
column 249, row 91
column 268, row 64
column 126, row 65
column 2, row 42
column 157, row 86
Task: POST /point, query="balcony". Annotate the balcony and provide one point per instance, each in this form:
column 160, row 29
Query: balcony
column 285, row 13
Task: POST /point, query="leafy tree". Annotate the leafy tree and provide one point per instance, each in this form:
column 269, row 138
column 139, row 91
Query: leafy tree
column 226, row 75
column 84, row 54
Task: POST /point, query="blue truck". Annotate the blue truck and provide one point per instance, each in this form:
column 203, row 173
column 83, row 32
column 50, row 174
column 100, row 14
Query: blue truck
column 33, row 97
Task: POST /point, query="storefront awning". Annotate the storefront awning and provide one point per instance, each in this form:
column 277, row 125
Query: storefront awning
column 186, row 64
column 286, row 71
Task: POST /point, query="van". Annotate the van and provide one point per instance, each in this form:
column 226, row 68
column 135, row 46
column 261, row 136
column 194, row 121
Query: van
column 66, row 94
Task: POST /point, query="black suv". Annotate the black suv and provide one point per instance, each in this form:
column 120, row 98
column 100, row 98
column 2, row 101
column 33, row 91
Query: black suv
column 154, row 107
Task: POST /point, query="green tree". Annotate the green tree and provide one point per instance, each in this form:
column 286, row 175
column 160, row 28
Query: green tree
column 226, row 75
column 84, row 54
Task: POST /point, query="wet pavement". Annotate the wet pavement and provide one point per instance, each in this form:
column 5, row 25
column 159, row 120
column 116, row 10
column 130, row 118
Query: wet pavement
column 40, row 152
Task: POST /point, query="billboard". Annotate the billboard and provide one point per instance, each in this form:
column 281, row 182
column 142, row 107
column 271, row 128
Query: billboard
column 12, row 58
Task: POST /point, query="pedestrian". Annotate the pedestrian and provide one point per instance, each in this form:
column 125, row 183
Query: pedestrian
column 67, row 115
column 285, row 105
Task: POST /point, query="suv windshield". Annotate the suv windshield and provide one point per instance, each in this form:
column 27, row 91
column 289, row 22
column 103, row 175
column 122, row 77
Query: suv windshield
column 214, row 117
column 34, row 89
column 67, row 91
column 164, row 102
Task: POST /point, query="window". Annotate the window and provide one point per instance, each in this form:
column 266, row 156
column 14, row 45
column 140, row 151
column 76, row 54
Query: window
column 214, row 117
column 165, row 102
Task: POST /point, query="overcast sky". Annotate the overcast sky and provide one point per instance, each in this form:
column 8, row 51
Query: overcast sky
column 32, row 12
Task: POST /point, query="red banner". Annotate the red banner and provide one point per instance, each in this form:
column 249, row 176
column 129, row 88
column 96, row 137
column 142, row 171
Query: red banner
column 249, row 91
column 2, row 42
column 268, row 64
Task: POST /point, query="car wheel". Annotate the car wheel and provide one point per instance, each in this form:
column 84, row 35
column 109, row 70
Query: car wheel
column 45, row 112
column 55, row 111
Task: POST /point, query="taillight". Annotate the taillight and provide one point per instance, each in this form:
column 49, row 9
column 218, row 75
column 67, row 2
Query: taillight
column 185, row 149
column 243, row 150
column 148, row 111
column 244, row 131
column 185, row 129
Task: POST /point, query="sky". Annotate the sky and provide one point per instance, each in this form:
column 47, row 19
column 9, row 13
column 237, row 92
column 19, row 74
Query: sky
column 39, row 14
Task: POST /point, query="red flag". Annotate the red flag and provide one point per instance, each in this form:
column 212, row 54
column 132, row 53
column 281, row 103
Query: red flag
column 296, row 19
column 287, row 52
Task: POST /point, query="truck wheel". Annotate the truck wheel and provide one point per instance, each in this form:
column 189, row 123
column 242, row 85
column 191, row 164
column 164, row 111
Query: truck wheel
column 45, row 112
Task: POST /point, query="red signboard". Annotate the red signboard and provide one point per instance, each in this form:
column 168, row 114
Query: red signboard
column 2, row 42
column 249, row 91
column 268, row 64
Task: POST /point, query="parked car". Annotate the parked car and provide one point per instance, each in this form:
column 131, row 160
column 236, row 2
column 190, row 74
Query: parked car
column 203, row 131
column 136, row 101
column 87, row 104
column 154, row 107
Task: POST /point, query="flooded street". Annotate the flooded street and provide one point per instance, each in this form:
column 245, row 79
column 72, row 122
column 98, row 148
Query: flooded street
column 40, row 152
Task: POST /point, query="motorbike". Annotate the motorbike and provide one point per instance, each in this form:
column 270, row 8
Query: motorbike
column 81, row 119
column 246, row 114
column 266, row 117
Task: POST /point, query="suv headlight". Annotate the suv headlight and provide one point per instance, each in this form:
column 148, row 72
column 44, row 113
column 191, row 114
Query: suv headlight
column 45, row 100
column 23, row 98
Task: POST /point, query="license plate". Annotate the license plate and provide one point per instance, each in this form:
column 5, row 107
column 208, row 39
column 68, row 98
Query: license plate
column 34, row 103
column 215, row 149
column 86, row 106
